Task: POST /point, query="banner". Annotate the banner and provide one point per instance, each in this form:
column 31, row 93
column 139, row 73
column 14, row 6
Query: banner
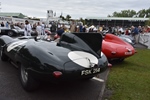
column 9, row 19
column 145, row 39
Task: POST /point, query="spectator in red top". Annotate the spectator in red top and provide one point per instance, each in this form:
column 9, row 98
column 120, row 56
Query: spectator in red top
column 127, row 31
column 148, row 28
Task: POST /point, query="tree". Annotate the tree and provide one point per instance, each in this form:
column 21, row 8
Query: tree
column 123, row 13
column 68, row 17
column 62, row 17
column 82, row 20
column 144, row 13
column 147, row 23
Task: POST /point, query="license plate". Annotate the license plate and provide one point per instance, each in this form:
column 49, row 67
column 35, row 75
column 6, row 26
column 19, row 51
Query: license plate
column 90, row 71
column 128, row 53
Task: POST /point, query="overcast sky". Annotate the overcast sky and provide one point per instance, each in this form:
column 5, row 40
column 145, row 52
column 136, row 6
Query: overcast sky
column 75, row 8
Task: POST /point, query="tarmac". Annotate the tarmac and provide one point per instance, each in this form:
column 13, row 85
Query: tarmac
column 140, row 46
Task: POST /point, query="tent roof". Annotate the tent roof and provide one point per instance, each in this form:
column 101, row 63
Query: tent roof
column 18, row 15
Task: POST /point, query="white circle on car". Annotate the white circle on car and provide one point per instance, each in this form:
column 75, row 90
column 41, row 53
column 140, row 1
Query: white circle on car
column 15, row 44
column 83, row 59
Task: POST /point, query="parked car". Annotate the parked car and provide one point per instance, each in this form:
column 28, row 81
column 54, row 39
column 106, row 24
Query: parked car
column 9, row 32
column 115, row 48
column 21, row 31
column 127, row 38
column 75, row 56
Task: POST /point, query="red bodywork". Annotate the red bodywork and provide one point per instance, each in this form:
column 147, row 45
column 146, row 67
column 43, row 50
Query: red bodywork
column 113, row 47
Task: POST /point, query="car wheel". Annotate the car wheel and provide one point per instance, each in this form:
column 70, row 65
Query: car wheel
column 120, row 60
column 3, row 56
column 10, row 33
column 28, row 83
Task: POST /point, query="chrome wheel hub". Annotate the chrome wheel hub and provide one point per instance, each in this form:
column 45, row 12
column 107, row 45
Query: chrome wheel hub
column 24, row 74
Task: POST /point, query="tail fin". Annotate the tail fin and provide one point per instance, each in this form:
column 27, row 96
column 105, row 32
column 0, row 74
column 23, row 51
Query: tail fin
column 90, row 42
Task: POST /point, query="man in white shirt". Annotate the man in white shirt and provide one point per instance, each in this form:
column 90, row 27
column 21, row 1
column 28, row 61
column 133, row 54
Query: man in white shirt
column 39, row 28
column 121, row 30
column 43, row 28
column 28, row 29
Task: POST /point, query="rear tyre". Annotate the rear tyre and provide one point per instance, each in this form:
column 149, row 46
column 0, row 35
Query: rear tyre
column 10, row 33
column 3, row 56
column 28, row 83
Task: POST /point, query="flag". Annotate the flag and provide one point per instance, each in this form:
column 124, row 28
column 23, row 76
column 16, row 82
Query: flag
column 55, row 14
column 145, row 16
column 133, row 16
column 138, row 15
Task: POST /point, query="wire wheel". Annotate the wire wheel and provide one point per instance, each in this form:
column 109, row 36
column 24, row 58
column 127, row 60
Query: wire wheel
column 10, row 33
column 24, row 74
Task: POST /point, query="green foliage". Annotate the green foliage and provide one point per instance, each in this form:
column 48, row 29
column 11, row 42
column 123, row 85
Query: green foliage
column 62, row 17
column 124, row 13
column 132, row 13
column 82, row 20
column 68, row 17
column 147, row 23
column 130, row 80
column 144, row 13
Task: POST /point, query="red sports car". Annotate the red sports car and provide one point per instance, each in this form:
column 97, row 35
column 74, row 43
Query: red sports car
column 115, row 48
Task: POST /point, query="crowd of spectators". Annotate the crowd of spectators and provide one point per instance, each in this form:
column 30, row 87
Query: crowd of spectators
column 59, row 28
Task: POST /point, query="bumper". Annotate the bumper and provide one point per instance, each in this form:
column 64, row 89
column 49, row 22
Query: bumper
column 67, row 75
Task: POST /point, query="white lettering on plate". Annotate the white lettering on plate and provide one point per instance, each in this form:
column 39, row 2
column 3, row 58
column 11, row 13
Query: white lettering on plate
column 90, row 71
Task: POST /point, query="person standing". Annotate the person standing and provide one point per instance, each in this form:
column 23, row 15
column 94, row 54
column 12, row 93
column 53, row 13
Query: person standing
column 2, row 24
column 53, row 28
column 22, row 26
column 81, row 27
column 121, row 31
column 12, row 25
column 43, row 28
column 28, row 28
column 7, row 24
column 72, row 27
column 103, row 28
column 135, row 33
column 38, row 29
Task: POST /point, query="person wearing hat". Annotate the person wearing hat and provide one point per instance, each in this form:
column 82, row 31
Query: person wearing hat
column 28, row 29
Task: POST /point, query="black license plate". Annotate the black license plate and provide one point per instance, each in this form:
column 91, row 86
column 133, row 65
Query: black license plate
column 90, row 71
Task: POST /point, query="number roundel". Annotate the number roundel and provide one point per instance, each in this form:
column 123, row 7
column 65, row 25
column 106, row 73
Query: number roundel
column 83, row 59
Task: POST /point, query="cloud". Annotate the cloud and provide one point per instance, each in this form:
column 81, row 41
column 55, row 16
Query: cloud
column 75, row 8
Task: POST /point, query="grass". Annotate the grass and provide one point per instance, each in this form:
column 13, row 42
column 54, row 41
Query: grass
column 130, row 80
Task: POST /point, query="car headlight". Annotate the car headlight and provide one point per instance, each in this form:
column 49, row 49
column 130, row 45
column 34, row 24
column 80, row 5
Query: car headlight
column 102, row 54
column 128, row 40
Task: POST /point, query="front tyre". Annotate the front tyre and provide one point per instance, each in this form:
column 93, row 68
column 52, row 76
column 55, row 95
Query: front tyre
column 3, row 56
column 28, row 83
column 120, row 60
